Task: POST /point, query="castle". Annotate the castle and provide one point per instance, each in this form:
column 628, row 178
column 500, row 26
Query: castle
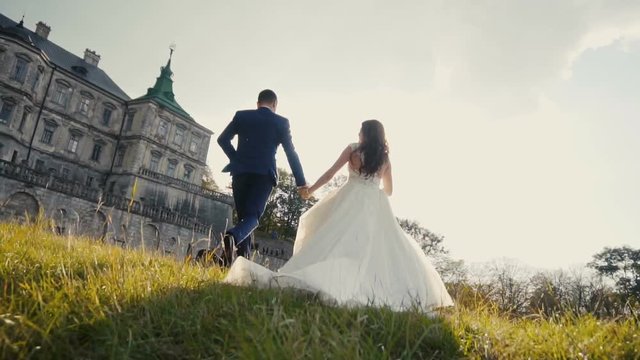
column 75, row 147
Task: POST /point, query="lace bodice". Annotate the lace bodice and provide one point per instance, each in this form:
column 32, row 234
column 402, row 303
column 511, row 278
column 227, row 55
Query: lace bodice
column 356, row 177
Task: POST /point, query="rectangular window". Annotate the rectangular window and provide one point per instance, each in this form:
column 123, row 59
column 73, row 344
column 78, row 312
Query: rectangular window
column 120, row 157
column 23, row 120
column 171, row 169
column 39, row 165
column 73, row 144
column 47, row 134
column 153, row 164
column 60, row 95
column 6, row 112
column 84, row 106
column 95, row 154
column 112, row 186
column 66, row 174
column 194, row 145
column 106, row 117
column 162, row 130
column 20, row 71
column 89, row 181
column 128, row 125
column 187, row 174
column 179, row 136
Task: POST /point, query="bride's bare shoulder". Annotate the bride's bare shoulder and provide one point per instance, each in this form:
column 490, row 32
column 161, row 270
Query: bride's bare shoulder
column 354, row 159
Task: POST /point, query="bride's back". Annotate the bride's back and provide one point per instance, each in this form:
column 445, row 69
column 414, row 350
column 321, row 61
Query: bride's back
column 382, row 174
column 356, row 159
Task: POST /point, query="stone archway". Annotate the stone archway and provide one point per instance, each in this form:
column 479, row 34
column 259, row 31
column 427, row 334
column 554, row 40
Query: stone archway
column 150, row 237
column 93, row 224
column 199, row 246
column 206, row 252
column 123, row 239
column 20, row 206
column 66, row 221
column 172, row 245
column 169, row 246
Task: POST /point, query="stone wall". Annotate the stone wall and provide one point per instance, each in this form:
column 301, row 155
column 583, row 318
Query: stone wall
column 78, row 210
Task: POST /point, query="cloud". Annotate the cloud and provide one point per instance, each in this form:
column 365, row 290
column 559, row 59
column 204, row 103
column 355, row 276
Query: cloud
column 506, row 52
column 602, row 36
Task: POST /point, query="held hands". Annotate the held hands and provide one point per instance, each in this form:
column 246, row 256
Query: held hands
column 304, row 192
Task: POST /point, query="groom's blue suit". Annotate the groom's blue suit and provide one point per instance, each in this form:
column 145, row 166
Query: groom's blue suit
column 253, row 165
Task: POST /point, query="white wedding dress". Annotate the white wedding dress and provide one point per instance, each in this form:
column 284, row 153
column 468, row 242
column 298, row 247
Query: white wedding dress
column 351, row 251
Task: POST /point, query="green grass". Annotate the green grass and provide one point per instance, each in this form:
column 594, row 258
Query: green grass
column 75, row 298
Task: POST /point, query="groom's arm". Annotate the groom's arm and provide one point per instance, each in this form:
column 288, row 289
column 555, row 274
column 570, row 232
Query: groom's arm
column 224, row 140
column 292, row 155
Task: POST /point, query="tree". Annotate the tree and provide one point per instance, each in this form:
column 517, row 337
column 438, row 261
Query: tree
column 207, row 180
column 546, row 295
column 430, row 243
column 622, row 265
column 284, row 207
column 334, row 183
column 510, row 289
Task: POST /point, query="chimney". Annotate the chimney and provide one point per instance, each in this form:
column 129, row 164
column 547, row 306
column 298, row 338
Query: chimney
column 90, row 57
column 42, row 30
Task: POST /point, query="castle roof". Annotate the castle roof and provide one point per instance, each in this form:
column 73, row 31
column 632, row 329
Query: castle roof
column 61, row 57
column 162, row 91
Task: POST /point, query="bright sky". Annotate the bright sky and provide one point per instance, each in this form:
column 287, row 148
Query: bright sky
column 513, row 125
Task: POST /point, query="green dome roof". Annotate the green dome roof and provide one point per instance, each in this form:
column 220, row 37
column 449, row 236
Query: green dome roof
column 162, row 91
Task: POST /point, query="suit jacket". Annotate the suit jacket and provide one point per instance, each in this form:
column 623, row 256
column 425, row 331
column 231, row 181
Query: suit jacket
column 259, row 132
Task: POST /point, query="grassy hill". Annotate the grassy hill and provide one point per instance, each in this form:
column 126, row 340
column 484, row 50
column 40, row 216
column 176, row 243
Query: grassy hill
column 65, row 297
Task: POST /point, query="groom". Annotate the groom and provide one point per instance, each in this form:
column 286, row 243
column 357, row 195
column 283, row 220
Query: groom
column 253, row 167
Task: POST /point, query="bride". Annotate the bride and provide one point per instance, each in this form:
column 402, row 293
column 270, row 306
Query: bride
column 349, row 247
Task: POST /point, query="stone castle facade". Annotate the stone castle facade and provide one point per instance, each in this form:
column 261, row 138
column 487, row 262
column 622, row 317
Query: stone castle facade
column 76, row 147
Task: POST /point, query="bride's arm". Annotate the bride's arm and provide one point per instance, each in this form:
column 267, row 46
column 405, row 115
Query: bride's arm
column 343, row 159
column 387, row 180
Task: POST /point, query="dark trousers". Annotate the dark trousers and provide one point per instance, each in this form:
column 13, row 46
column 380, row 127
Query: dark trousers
column 250, row 194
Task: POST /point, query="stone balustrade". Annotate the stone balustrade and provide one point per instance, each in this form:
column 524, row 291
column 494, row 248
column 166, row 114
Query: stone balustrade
column 211, row 194
column 156, row 213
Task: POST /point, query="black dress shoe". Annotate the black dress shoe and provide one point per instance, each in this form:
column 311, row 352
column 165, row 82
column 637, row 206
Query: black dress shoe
column 229, row 247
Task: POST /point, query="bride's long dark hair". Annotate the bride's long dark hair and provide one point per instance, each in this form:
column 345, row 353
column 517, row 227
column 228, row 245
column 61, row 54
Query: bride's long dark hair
column 374, row 148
